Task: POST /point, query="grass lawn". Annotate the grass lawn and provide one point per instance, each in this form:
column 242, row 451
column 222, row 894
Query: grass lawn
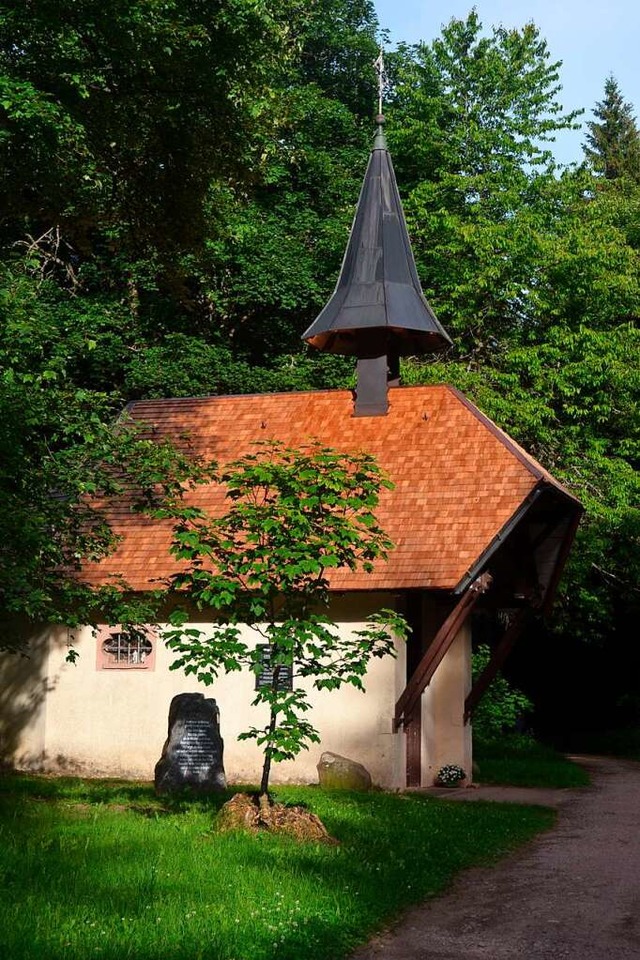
column 107, row 870
column 526, row 764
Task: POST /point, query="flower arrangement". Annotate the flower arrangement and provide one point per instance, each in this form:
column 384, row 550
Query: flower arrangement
column 450, row 775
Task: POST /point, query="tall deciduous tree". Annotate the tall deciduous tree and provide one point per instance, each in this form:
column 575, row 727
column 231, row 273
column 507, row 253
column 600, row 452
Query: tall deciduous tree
column 114, row 122
column 294, row 515
column 61, row 452
column 470, row 122
column 613, row 140
column 117, row 117
column 536, row 273
column 173, row 177
column 219, row 213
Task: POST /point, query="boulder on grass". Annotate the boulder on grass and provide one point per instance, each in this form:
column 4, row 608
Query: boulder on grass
column 340, row 773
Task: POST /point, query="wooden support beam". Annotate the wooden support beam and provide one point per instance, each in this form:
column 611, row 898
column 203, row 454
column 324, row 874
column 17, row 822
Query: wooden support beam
column 498, row 657
column 413, row 746
column 562, row 559
column 434, row 654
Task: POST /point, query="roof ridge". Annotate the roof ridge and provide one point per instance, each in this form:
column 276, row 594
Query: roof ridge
column 338, row 391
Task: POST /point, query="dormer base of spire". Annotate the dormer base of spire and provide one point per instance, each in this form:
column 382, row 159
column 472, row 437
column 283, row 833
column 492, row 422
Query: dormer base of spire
column 375, row 375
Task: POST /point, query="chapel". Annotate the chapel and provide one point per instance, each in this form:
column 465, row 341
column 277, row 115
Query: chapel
column 481, row 533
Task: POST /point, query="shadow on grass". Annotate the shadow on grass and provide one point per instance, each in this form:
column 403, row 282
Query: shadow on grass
column 140, row 795
column 99, row 882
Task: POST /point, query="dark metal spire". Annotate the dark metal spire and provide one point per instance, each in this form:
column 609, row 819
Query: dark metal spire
column 378, row 298
column 378, row 311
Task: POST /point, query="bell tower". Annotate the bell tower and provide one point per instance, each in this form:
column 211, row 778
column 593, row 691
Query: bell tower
column 377, row 311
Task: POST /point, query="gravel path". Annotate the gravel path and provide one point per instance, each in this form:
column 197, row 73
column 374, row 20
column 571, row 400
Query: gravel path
column 571, row 894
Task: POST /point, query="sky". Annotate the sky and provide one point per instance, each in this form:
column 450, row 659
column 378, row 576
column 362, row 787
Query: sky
column 591, row 39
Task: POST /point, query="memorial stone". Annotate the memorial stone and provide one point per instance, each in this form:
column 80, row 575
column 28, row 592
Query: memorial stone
column 192, row 755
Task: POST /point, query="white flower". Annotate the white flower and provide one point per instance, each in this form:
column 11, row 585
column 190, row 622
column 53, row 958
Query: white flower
column 450, row 773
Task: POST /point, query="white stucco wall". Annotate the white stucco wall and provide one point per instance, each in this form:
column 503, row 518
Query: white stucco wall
column 25, row 686
column 77, row 718
column 97, row 722
column 445, row 736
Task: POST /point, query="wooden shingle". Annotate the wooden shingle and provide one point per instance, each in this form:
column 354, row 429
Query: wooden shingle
column 458, row 479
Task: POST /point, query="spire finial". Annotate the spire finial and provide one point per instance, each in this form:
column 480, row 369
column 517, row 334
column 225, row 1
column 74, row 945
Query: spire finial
column 382, row 79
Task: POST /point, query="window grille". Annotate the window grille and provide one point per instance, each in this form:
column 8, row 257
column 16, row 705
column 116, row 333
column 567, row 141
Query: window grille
column 125, row 649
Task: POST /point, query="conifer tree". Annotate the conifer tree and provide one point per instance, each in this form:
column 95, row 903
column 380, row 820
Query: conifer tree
column 613, row 140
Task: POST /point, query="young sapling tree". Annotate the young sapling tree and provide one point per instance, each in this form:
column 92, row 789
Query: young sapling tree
column 294, row 515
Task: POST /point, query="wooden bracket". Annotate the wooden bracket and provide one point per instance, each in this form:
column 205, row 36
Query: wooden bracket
column 498, row 657
column 434, row 655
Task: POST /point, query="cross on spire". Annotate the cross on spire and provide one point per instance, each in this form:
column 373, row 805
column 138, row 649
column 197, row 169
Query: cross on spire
column 377, row 312
column 382, row 78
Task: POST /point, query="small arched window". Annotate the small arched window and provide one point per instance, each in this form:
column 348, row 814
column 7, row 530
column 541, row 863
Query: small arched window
column 126, row 648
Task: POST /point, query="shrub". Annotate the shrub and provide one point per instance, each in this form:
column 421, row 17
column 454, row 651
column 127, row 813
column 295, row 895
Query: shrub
column 502, row 708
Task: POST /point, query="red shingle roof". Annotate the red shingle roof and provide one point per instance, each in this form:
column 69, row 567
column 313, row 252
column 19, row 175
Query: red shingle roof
column 458, row 478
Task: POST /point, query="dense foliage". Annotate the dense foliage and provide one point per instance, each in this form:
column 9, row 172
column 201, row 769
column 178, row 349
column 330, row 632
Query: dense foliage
column 536, row 273
column 503, row 709
column 59, row 455
column 178, row 181
column 162, row 165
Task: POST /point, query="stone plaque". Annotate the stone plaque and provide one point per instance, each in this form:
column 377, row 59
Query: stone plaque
column 192, row 754
column 265, row 677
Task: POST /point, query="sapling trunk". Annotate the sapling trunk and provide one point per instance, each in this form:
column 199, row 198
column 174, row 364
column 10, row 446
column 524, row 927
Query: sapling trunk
column 266, row 767
column 275, row 678
column 266, row 770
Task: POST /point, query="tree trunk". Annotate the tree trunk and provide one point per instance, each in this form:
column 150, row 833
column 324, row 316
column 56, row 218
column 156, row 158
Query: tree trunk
column 266, row 770
column 266, row 767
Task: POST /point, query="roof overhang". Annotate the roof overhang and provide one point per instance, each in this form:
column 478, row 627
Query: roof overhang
column 550, row 539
